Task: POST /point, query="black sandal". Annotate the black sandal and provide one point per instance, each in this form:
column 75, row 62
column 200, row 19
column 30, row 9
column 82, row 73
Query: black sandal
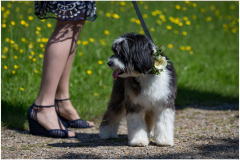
column 37, row 129
column 78, row 123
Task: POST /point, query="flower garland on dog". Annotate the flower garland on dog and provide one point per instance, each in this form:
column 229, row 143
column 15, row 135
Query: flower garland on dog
column 160, row 61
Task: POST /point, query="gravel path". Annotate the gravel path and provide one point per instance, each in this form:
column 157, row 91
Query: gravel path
column 200, row 132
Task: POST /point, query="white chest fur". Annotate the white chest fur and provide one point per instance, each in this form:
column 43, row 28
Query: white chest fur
column 154, row 90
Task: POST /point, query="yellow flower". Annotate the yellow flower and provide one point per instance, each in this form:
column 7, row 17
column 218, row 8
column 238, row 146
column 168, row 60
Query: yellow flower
column 2, row 8
column 138, row 22
column 95, row 94
column 89, row 72
column 3, row 56
column 152, row 29
column 102, row 41
column 12, row 42
column 184, row 33
column 188, row 48
column 9, row 5
column 202, row 10
column 5, row 67
column 37, row 32
column 169, row 27
column 159, row 22
column 176, row 32
column 185, row 18
column 79, row 42
column 132, row 19
column 36, row 71
column 30, row 46
column 15, row 57
column 21, row 88
column 212, row 7
column 4, row 25
column 170, row 46
column 13, row 72
column 190, row 52
column 30, row 57
column 232, row 7
column 23, row 39
column 208, row 19
column 17, row 9
column 122, row 3
column 194, row 17
column 217, row 12
column 40, row 56
column 180, row 24
column 91, row 39
column 194, row 5
column 26, row 25
column 34, row 59
column 38, row 28
column 43, row 20
column 16, row 66
column 21, row 50
column 234, row 30
column 184, row 8
column 178, row 7
column 21, row 17
column 30, row 18
column 182, row 48
column 7, row 39
column 145, row 16
column 85, row 42
column 49, row 25
column 108, row 14
column 188, row 23
column 42, row 45
column 141, row 31
column 80, row 53
column 100, row 62
column 106, row 32
column 115, row 16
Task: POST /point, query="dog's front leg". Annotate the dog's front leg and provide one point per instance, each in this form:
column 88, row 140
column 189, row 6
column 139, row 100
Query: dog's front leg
column 164, row 126
column 137, row 129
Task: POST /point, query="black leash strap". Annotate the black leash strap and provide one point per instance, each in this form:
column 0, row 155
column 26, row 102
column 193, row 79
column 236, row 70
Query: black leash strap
column 141, row 20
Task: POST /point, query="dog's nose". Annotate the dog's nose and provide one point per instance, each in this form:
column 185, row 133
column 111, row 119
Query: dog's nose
column 110, row 63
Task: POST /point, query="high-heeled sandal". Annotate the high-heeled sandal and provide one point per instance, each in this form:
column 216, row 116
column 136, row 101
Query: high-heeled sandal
column 78, row 123
column 37, row 129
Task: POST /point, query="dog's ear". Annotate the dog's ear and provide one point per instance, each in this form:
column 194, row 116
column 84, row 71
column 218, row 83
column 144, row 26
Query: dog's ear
column 120, row 45
column 152, row 47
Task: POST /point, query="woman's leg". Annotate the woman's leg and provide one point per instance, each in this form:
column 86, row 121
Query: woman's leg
column 65, row 107
column 57, row 52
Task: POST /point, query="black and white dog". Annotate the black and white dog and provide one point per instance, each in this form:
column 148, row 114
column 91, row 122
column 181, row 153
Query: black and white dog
column 146, row 99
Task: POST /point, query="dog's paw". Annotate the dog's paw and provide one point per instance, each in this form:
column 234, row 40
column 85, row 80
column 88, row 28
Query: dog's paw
column 138, row 142
column 105, row 133
column 164, row 142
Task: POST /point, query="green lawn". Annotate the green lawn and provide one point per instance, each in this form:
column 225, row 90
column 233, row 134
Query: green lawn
column 201, row 39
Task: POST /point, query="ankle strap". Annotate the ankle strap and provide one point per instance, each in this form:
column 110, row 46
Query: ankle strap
column 62, row 99
column 43, row 106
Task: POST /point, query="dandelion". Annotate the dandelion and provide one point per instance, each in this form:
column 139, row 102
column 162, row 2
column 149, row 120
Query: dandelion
column 212, row 7
column 36, row 71
column 194, row 17
column 106, row 32
column 188, row 48
column 79, row 42
column 100, row 62
column 108, row 14
column 13, row 72
column 145, row 16
column 21, row 50
column 30, row 18
column 34, row 59
column 16, row 66
column 102, row 41
column 178, row 7
column 185, row 18
column 184, row 33
column 234, row 30
column 170, row 46
column 190, row 52
column 43, row 20
column 21, row 17
column 138, row 22
column 184, row 8
column 229, row 17
column 23, row 22
column 89, row 72
column 180, row 24
column 132, row 19
column 17, row 9
column 80, row 53
column 11, row 41
column 188, row 23
column 4, row 25
column 26, row 25
column 7, row 39
column 12, row 23
column 95, row 94
column 182, row 48
column 115, row 16
column 2, row 8
column 159, row 22
column 15, row 57
column 21, row 88
column 202, row 10
column 9, row 5
column 37, row 32
column 232, row 7
column 91, row 39
column 194, row 5
column 122, row 3
column 49, row 25
column 152, row 29
column 208, row 19
column 30, row 57
column 40, row 56
column 5, row 67
column 85, row 42
column 38, row 28
column 169, row 27
column 176, row 32
column 217, row 12
column 3, row 56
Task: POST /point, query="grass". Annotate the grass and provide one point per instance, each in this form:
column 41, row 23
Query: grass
column 201, row 38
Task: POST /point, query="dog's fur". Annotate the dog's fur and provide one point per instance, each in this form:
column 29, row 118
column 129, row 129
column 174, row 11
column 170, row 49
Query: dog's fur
column 146, row 99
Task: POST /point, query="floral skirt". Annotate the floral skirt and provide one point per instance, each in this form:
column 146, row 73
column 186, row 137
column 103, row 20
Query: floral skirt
column 66, row 10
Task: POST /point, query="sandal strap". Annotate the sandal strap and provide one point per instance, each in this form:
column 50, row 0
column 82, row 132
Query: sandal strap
column 62, row 99
column 40, row 106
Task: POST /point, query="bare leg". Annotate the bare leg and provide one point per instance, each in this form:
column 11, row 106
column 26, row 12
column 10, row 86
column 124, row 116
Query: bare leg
column 65, row 107
column 57, row 51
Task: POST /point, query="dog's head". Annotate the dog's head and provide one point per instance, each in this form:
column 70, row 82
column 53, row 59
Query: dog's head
column 133, row 55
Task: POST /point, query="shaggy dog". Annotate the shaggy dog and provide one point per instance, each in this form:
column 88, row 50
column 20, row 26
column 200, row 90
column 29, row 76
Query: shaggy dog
column 145, row 98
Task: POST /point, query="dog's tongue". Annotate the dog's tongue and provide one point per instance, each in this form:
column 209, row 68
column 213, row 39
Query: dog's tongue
column 115, row 73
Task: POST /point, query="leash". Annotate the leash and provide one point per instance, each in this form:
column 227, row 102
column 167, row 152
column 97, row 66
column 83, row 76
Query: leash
column 141, row 20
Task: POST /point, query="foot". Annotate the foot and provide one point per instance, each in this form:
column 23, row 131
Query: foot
column 48, row 118
column 68, row 112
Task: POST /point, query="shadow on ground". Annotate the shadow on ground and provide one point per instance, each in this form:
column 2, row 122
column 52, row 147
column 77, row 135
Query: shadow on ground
column 226, row 148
